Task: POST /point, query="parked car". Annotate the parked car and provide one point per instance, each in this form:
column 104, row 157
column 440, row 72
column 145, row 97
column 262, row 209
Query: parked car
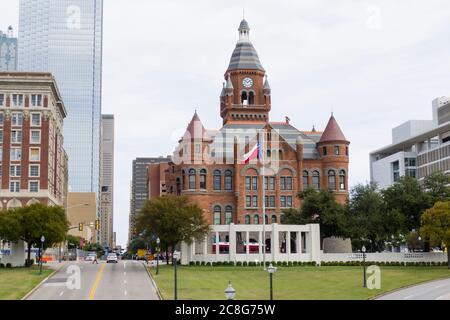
column 91, row 256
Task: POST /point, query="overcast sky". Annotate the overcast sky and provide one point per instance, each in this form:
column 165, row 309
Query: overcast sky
column 375, row 64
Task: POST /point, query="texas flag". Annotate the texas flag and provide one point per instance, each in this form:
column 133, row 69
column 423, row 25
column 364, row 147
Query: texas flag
column 252, row 154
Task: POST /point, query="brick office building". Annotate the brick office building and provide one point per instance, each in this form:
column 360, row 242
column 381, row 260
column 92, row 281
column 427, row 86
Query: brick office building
column 33, row 162
column 208, row 165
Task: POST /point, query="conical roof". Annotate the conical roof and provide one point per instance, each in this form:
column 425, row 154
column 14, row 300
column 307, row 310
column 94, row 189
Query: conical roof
column 332, row 132
column 195, row 128
column 244, row 55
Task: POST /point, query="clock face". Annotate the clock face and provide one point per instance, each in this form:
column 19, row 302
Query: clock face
column 247, row 82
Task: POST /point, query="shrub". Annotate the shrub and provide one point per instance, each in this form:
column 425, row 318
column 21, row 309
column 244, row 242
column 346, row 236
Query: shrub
column 203, row 263
column 2, row 265
column 8, row 265
column 239, row 263
column 279, row 263
column 192, row 263
column 284, row 263
column 245, row 263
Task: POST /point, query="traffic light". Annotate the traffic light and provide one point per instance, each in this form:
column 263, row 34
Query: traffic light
column 80, row 227
column 97, row 225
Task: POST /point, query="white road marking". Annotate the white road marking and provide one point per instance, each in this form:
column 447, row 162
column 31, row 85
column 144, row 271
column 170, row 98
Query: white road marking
column 408, row 297
column 125, row 292
column 124, row 273
column 444, row 297
column 62, row 284
column 440, row 286
column 62, row 292
column 124, row 281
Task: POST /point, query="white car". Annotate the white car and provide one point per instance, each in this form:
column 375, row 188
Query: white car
column 90, row 257
column 112, row 257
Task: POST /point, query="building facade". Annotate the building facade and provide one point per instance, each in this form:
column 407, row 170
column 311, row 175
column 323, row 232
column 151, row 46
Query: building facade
column 33, row 162
column 419, row 148
column 65, row 37
column 107, row 182
column 140, row 189
column 8, row 50
column 218, row 170
column 82, row 209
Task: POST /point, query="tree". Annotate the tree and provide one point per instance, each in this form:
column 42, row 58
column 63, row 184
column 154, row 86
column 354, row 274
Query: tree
column 173, row 220
column 369, row 218
column 136, row 244
column 95, row 247
column 30, row 223
column 73, row 242
column 436, row 226
column 437, row 186
column 319, row 207
column 408, row 198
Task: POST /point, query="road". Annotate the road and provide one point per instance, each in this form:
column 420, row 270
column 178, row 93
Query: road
column 435, row 290
column 126, row 280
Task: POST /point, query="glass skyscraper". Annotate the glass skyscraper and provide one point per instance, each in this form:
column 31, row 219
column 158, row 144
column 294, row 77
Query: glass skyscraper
column 65, row 37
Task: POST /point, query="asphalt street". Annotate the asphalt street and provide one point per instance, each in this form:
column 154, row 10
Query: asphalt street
column 126, row 280
column 435, row 290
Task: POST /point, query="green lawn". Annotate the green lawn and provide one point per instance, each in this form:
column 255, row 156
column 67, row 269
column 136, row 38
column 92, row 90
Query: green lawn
column 290, row 283
column 16, row 283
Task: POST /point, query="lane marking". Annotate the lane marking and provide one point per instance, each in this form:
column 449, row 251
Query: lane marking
column 97, row 281
column 444, row 297
column 408, row 297
column 62, row 292
column 125, row 292
column 125, row 273
column 440, row 286
column 124, row 281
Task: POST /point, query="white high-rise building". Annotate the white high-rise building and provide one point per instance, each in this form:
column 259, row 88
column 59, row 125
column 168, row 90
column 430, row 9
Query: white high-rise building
column 64, row 37
column 419, row 148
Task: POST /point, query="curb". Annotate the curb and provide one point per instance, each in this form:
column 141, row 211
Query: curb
column 407, row 287
column 41, row 283
column 153, row 282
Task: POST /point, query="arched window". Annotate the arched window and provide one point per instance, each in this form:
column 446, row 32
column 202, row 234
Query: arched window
column 228, row 180
column 267, row 219
column 183, row 179
column 305, row 179
column 251, row 98
column 342, row 180
column 203, row 179
column 244, row 98
column 280, row 155
column 316, row 180
column 178, row 186
column 217, row 215
column 274, row 219
column 331, row 180
column 247, row 219
column 192, row 179
column 217, row 180
column 256, row 219
column 228, row 215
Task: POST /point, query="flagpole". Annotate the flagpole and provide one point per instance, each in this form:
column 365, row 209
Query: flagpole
column 263, row 200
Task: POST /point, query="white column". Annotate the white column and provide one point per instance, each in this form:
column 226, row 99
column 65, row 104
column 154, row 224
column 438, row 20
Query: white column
column 276, row 243
column 217, row 245
column 205, row 248
column 232, row 235
column 288, row 245
column 314, row 242
column 260, row 247
column 247, row 248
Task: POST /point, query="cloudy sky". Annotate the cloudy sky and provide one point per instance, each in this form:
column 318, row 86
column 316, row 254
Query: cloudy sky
column 375, row 64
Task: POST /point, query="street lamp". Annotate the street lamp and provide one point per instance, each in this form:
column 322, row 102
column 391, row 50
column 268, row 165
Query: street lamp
column 175, row 257
column 42, row 253
column 230, row 293
column 363, row 249
column 271, row 269
column 158, row 241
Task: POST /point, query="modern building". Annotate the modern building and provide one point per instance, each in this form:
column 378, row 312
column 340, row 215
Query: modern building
column 82, row 209
column 8, row 50
column 251, row 164
column 157, row 179
column 140, row 189
column 65, row 37
column 33, row 162
column 107, row 181
column 419, row 148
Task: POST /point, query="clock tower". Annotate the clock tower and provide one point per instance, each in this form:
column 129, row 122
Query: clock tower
column 246, row 94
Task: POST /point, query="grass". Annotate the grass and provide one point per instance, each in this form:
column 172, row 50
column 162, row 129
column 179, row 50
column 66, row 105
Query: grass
column 17, row 282
column 290, row 283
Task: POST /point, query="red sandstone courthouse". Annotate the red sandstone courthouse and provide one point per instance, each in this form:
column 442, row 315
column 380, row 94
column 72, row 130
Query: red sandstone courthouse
column 208, row 165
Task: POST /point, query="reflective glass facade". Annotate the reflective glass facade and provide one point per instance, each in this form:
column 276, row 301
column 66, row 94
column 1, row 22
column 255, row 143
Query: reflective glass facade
column 65, row 37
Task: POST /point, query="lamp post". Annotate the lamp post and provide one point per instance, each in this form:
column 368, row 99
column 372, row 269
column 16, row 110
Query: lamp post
column 42, row 253
column 271, row 269
column 230, row 293
column 363, row 249
column 175, row 257
column 158, row 241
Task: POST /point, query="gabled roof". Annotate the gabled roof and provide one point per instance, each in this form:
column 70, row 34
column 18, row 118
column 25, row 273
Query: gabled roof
column 332, row 132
